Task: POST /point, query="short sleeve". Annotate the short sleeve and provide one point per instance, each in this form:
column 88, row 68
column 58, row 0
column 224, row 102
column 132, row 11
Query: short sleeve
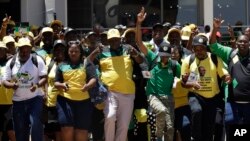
column 185, row 65
column 41, row 66
column 59, row 75
column 8, row 72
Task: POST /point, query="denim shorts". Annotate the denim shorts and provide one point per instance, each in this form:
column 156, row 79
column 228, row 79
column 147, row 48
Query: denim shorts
column 74, row 113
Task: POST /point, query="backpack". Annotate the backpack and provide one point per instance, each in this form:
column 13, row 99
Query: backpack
column 215, row 61
column 51, row 64
column 173, row 65
column 233, row 53
column 33, row 58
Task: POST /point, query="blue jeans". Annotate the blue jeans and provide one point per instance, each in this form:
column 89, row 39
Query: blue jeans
column 27, row 119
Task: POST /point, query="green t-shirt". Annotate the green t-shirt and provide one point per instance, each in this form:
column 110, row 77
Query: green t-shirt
column 162, row 78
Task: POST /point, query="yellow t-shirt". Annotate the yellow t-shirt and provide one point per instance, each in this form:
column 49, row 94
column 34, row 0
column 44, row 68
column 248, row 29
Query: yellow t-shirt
column 5, row 94
column 205, row 73
column 180, row 94
column 76, row 79
column 117, row 74
column 52, row 91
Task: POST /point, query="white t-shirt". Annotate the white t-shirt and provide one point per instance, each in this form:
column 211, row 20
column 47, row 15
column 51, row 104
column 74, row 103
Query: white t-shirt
column 24, row 75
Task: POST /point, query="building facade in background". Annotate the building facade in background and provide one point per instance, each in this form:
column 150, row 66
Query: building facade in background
column 83, row 14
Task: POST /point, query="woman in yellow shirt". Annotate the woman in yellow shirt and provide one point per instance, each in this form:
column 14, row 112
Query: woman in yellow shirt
column 74, row 107
column 52, row 127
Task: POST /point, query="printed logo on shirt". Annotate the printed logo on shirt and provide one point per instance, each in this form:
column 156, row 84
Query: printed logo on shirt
column 24, row 79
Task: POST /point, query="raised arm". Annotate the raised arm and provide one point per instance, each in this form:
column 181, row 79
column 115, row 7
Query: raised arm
column 216, row 26
column 138, row 35
column 4, row 26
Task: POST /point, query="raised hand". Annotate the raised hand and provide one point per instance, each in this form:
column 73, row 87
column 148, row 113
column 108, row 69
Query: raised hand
column 141, row 15
column 6, row 20
column 217, row 22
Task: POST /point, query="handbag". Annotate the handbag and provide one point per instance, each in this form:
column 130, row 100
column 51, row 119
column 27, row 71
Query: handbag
column 99, row 93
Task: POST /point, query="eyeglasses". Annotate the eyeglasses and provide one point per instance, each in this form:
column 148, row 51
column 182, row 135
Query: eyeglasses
column 77, row 42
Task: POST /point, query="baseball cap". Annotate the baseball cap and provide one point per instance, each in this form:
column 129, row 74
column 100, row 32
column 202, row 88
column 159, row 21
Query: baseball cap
column 69, row 30
column 47, row 29
column 56, row 22
column 23, row 42
column 120, row 26
column 127, row 31
column 113, row 33
column 174, row 30
column 185, row 33
column 156, row 25
column 8, row 39
column 165, row 51
column 167, row 24
column 2, row 45
column 59, row 42
column 200, row 40
column 90, row 33
column 11, row 22
column 192, row 26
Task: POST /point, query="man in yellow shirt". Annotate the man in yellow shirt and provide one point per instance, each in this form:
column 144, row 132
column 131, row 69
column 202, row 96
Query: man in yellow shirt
column 116, row 73
column 204, row 88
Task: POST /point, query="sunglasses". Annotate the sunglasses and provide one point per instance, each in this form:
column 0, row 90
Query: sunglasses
column 77, row 42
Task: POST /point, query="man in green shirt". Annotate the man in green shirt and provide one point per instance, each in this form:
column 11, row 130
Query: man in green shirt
column 238, row 60
column 159, row 85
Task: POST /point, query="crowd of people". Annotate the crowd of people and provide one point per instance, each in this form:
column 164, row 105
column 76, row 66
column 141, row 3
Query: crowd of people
column 181, row 85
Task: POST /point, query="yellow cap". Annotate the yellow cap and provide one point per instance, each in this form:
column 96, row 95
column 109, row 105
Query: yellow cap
column 8, row 39
column 34, row 27
column 56, row 22
column 11, row 22
column 185, row 33
column 2, row 45
column 192, row 26
column 23, row 42
column 113, row 33
column 47, row 29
